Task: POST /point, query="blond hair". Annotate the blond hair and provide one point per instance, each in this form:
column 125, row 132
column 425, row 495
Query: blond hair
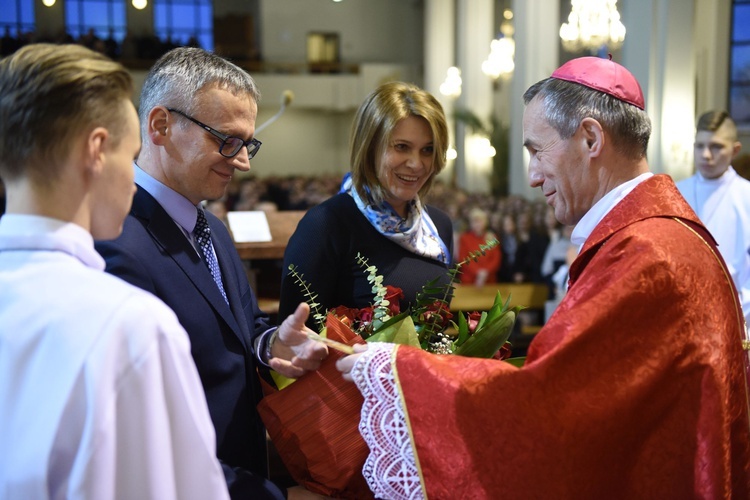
column 373, row 125
column 49, row 94
column 711, row 121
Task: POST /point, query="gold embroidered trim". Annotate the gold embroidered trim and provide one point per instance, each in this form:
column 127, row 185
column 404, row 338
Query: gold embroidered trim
column 737, row 307
column 394, row 369
column 726, row 276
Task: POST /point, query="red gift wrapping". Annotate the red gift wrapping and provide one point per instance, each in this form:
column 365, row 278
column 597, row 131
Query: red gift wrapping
column 313, row 423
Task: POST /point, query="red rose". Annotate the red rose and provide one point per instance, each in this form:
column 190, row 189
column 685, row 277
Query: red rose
column 503, row 352
column 437, row 312
column 473, row 320
column 393, row 295
column 365, row 315
column 349, row 313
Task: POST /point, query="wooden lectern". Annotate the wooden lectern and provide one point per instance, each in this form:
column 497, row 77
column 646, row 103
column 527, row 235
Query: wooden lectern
column 282, row 225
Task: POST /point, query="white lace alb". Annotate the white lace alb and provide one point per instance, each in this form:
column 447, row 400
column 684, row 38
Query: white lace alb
column 390, row 469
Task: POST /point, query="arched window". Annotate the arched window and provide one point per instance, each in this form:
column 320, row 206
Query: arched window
column 185, row 22
column 739, row 66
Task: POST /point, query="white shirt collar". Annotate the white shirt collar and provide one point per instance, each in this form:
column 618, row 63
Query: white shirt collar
column 601, row 208
column 34, row 232
column 728, row 176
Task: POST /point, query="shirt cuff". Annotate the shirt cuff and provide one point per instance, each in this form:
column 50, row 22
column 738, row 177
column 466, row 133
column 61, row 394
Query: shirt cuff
column 263, row 346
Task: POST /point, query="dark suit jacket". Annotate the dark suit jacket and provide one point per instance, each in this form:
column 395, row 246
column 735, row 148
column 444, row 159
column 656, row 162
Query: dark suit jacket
column 154, row 254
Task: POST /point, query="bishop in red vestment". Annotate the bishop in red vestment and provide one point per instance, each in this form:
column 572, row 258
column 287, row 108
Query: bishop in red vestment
column 637, row 385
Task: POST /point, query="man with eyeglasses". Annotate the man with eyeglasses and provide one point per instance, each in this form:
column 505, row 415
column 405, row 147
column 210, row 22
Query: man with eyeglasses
column 181, row 253
column 230, row 146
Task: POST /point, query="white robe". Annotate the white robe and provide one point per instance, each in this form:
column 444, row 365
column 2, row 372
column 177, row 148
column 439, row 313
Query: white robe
column 723, row 205
column 99, row 396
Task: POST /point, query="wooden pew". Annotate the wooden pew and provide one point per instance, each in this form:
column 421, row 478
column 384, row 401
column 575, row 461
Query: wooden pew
column 481, row 298
column 532, row 296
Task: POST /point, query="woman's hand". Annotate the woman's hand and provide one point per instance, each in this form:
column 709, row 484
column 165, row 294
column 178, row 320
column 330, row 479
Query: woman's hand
column 346, row 364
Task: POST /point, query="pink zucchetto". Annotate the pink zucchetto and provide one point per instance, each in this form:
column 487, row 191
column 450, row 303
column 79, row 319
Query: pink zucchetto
column 603, row 75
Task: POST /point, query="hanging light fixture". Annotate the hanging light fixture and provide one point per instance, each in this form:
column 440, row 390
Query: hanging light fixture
column 451, row 86
column 502, row 50
column 591, row 25
column 140, row 4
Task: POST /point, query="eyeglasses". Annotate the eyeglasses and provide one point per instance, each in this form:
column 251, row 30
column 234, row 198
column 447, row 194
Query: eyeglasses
column 230, row 145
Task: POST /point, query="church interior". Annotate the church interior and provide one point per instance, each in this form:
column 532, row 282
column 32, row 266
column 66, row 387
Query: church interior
column 314, row 61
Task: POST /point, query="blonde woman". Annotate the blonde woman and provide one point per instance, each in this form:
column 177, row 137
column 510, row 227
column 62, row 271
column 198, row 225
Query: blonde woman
column 398, row 143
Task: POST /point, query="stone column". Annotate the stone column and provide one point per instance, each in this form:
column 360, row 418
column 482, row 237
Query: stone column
column 659, row 51
column 537, row 24
column 475, row 19
column 439, row 55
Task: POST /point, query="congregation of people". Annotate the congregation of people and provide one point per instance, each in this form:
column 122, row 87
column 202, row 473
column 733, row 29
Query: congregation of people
column 525, row 229
column 534, row 255
column 134, row 354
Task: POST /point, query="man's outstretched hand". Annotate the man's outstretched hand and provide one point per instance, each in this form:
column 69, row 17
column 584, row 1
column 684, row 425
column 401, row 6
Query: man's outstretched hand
column 293, row 353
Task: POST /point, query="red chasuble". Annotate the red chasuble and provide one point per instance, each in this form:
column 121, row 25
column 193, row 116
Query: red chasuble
column 635, row 388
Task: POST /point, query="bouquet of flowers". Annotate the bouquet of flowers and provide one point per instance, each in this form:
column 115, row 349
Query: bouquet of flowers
column 313, row 422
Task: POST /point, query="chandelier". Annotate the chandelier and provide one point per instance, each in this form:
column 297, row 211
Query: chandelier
column 451, row 87
column 591, row 25
column 502, row 50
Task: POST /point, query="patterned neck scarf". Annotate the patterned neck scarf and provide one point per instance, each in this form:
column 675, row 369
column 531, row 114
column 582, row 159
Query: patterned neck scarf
column 416, row 233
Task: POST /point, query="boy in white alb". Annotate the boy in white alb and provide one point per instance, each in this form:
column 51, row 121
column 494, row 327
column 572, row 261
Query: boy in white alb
column 720, row 197
column 99, row 396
